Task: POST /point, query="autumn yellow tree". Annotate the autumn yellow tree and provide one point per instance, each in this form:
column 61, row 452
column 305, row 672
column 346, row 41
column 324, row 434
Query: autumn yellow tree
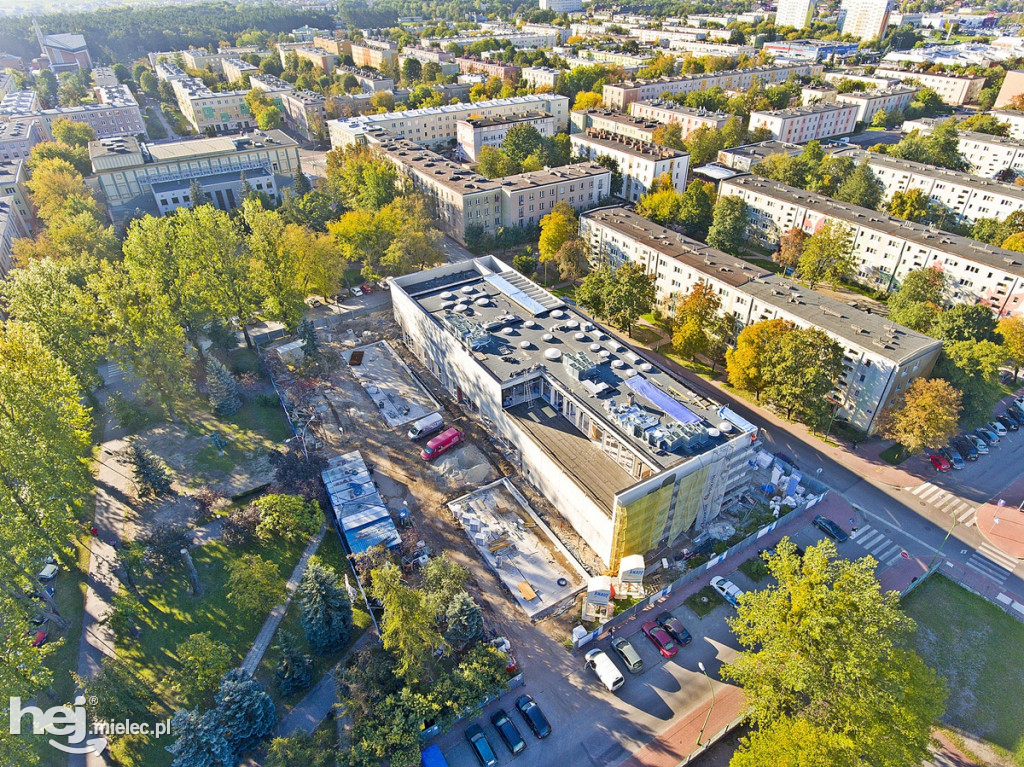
column 925, row 415
column 745, row 363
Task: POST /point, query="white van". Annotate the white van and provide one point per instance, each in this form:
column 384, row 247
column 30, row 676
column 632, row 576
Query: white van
column 426, row 425
column 599, row 662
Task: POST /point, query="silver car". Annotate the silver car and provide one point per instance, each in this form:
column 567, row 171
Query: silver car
column 629, row 655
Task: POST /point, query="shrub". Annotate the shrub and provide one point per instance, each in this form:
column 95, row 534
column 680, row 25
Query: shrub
column 239, row 529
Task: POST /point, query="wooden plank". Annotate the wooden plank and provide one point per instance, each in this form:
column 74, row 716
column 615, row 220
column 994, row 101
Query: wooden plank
column 527, row 591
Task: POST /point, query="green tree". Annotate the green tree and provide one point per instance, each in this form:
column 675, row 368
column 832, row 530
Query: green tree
column 114, row 694
column 593, row 292
column 918, row 302
column 965, row 322
column 879, row 119
column 696, row 313
column 1012, row 331
column 862, row 188
column 521, row 141
column 408, row 630
column 669, row 135
column 795, row 742
column 303, row 750
column 632, row 293
column 828, row 255
column 791, row 247
column 149, row 84
column 77, row 156
column 745, row 363
column 254, row 584
column 572, row 259
column 911, row 205
column 291, row 517
column 78, row 239
column 972, row 367
column 223, row 388
column 830, row 174
column 72, row 133
column 58, row 189
column 696, row 208
column 704, row 144
column 944, row 146
column 464, row 620
column 275, row 262
column 294, row 669
column 924, row 415
column 300, row 183
column 799, row 370
column 825, row 646
column 443, row 580
column 361, row 177
column 412, row 70
column 985, row 123
column 728, row 230
column 662, row 206
column 326, row 609
column 202, row 661
column 245, row 710
column 557, row 228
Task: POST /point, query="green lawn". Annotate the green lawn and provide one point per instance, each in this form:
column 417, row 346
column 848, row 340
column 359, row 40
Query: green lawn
column 704, row 601
column 332, row 553
column 755, row 568
column 893, row 455
column 980, row 651
column 172, row 614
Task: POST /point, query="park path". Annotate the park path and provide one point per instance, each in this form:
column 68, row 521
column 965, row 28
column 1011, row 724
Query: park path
column 266, row 635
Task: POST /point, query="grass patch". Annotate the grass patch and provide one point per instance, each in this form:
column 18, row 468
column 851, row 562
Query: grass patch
column 694, row 366
column 894, row 455
column 154, row 128
column 645, row 335
column 755, row 568
column 332, row 553
column 980, row 651
column 704, row 601
column 766, row 263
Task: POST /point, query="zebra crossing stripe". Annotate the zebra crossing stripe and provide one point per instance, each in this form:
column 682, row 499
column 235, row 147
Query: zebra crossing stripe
column 933, row 493
column 1003, row 560
column 894, row 551
column 987, row 568
column 868, row 540
column 966, row 515
column 894, row 558
column 921, row 488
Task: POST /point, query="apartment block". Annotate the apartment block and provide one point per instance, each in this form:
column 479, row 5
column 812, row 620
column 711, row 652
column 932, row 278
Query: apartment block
column 507, row 35
column 474, row 133
column 855, row 75
column 103, row 77
column 223, row 111
column 880, row 358
column 562, row 6
column 626, row 453
column 986, row 155
column 639, row 162
column 1013, row 119
column 11, row 228
column 17, row 137
column 370, row 80
column 468, row 65
column 1012, row 87
column 436, row 126
column 235, row 69
column 745, row 157
column 621, row 95
column 117, row 114
column 137, row 176
column 887, row 248
column 955, row 90
column 19, row 103
column 200, row 58
column 689, row 119
column 541, row 77
column 168, row 71
column 580, row 120
column 321, row 59
column 864, row 19
column 794, row 13
column 814, row 122
column 338, row 46
column 967, row 197
column 870, row 103
column 376, row 54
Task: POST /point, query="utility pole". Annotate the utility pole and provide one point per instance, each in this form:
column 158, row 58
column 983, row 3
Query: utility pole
column 711, row 708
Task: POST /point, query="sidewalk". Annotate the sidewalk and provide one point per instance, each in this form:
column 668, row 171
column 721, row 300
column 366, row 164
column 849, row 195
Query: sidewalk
column 1004, row 525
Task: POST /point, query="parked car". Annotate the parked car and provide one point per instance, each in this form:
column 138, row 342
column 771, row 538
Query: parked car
column 674, row 627
column 1007, row 423
column 997, row 427
column 599, row 662
column 366, row 289
column 443, row 442
column 384, row 284
column 990, row 437
column 355, row 291
column 770, row 551
column 629, row 655
column 1014, row 415
column 48, row 573
column 508, row 731
column 534, row 717
column 978, row 442
column 50, row 591
column 702, row 544
column 939, row 462
column 40, row 638
column 965, row 447
column 481, row 748
column 831, row 529
column 954, row 458
column 727, row 590
column 660, row 639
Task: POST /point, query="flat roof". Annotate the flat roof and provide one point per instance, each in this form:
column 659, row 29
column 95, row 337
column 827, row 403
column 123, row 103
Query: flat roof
column 915, row 73
column 515, row 328
column 808, row 109
column 709, row 75
column 619, row 143
column 841, row 319
column 15, row 130
column 487, row 122
column 763, row 149
column 893, row 90
column 191, row 147
column 672, row 106
column 368, row 120
column 437, row 168
column 955, row 244
column 216, row 178
column 535, row 178
column 621, row 119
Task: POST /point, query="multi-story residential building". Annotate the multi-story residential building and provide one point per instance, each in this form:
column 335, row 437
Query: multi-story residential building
column 200, row 58
column 235, row 69
column 639, row 162
column 64, row 52
column 104, row 77
column 370, row 80
column 306, row 113
column 870, row 103
column 589, row 56
column 1012, row 87
column 794, row 13
column 562, row 6
column 807, row 123
column 374, row 53
column 468, row 65
column 706, row 47
column 561, row 33
column 443, row 59
column 466, row 201
column 967, row 197
column 223, row 111
column 689, row 118
column 835, row 78
column 626, row 453
column 17, row 137
column 435, row 126
column 271, row 85
column 13, row 175
column 474, row 133
column 322, row 59
column 627, row 126
column 156, row 177
column 168, row 71
column 338, row 46
column 887, row 248
column 817, row 94
column 1013, row 119
column 880, row 358
column 508, row 36
column 955, row 90
column 11, row 228
column 19, row 103
column 986, row 155
column 864, row 19
column 541, row 77
column 621, row 95
column 743, row 158
column 307, row 34
column 117, row 114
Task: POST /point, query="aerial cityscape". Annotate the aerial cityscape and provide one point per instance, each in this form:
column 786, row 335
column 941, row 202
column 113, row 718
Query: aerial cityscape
column 540, row 382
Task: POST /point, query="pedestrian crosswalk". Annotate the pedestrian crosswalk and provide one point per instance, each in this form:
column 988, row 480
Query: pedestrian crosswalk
column 877, row 545
column 991, row 562
column 946, row 502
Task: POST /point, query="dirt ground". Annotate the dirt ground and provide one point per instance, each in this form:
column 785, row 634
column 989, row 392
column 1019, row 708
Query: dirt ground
column 347, row 419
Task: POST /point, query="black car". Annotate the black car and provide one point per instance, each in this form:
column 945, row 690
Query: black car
column 508, row 731
column 674, row 627
column 482, row 749
column 1009, row 423
column 534, row 717
column 965, row 447
column 1014, row 415
column 831, row 529
column 770, row 551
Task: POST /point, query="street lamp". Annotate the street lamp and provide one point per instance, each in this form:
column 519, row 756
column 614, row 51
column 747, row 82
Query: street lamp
column 704, row 671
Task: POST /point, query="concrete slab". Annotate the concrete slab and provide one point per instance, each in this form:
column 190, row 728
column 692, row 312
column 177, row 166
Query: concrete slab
column 518, row 547
column 391, row 385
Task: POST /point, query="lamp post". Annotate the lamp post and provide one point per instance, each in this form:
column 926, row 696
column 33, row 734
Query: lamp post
column 704, row 671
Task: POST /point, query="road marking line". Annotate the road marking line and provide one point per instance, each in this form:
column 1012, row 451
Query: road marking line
column 871, row 538
column 995, row 574
column 890, row 553
column 895, row 558
column 921, row 488
column 1001, row 597
column 933, row 493
column 860, row 532
column 997, row 556
column 878, row 546
column 966, row 515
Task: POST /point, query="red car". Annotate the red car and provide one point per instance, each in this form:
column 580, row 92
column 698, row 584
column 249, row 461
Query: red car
column 660, row 639
column 40, row 638
column 939, row 462
column 366, row 289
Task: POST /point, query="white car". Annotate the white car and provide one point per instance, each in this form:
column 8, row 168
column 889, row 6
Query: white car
column 599, row 662
column 979, row 444
column 48, row 573
column 726, row 589
column 997, row 427
column 355, row 292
